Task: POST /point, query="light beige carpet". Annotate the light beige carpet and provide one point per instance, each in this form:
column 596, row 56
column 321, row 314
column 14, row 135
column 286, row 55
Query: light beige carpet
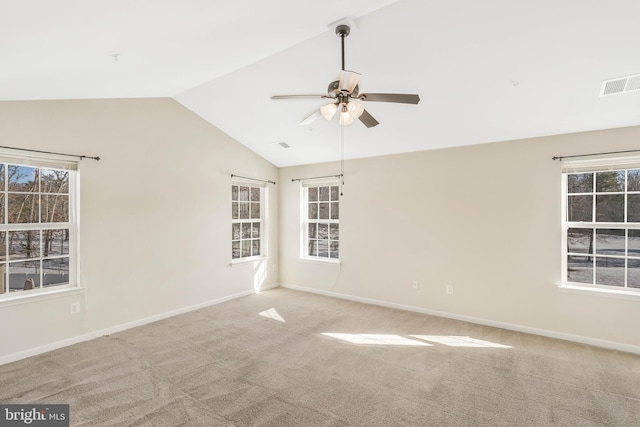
column 264, row 360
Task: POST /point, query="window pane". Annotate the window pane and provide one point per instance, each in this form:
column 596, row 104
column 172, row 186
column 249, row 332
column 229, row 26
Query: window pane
column 610, row 181
column 244, row 210
column 23, row 208
column 234, row 210
column 55, row 271
column 255, row 210
column 246, row 230
column 2, row 221
column 610, row 208
column 234, row 192
column 633, row 208
column 54, row 181
column 610, row 271
column 24, row 244
column 2, row 167
column 334, row 231
column 335, row 193
column 324, row 210
column 255, row 247
column 312, row 231
column 313, row 247
column 580, row 208
column 235, row 249
column 20, row 272
column 324, row 194
column 246, row 248
column 580, row 240
column 255, row 230
column 55, row 208
column 580, row 182
column 323, row 248
column 55, row 242
column 610, row 242
column 243, row 193
column 23, row 178
column 3, row 281
column 3, row 246
column 313, row 194
column 633, row 273
column 634, row 243
column 335, row 210
column 580, row 269
column 323, row 231
column 633, row 180
column 334, row 249
column 313, row 211
column 235, row 232
column 255, row 194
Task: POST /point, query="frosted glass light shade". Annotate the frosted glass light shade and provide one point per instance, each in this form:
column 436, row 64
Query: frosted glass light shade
column 345, row 116
column 355, row 109
column 328, row 111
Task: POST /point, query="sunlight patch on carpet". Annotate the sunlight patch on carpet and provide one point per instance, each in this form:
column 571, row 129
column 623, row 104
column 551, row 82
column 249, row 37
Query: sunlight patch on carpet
column 272, row 314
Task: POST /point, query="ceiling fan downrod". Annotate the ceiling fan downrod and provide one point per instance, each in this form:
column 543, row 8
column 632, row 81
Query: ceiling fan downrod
column 342, row 31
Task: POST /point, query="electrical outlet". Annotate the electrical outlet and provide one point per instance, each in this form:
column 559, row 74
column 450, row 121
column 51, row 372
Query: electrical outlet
column 75, row 308
column 449, row 289
column 415, row 285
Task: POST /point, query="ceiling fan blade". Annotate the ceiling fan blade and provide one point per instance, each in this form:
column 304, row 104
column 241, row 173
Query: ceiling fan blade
column 297, row 96
column 368, row 119
column 310, row 118
column 348, row 80
column 402, row 98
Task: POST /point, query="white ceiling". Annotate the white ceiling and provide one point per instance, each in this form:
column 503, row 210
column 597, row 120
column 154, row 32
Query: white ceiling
column 485, row 71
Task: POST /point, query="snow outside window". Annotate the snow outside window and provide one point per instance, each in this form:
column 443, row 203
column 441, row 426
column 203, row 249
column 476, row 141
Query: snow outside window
column 321, row 221
column 38, row 227
column 601, row 227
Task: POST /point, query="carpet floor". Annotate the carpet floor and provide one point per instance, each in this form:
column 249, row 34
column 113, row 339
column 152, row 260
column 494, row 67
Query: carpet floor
column 289, row 358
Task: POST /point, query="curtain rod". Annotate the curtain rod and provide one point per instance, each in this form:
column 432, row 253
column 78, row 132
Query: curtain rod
column 316, row 177
column 253, row 179
column 97, row 158
column 593, row 154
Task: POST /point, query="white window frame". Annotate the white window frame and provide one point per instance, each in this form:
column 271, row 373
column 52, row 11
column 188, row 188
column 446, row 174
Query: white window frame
column 305, row 221
column 595, row 165
column 44, row 162
column 264, row 196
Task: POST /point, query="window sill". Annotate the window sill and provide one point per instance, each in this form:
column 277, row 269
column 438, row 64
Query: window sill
column 321, row 260
column 17, row 298
column 601, row 292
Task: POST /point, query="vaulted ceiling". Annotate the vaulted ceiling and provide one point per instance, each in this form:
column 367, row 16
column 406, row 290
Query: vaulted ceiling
column 485, row 71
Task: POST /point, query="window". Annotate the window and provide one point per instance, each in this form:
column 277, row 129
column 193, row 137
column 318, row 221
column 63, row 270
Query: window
column 321, row 225
column 247, row 220
column 601, row 233
column 37, row 225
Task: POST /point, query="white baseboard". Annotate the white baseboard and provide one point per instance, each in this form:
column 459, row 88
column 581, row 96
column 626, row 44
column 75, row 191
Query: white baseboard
column 510, row 326
column 122, row 327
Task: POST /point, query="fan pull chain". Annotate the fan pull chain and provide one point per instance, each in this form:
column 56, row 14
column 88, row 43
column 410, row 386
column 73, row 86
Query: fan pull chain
column 341, row 159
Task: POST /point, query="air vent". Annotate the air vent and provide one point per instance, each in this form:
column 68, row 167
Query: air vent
column 281, row 144
column 620, row 85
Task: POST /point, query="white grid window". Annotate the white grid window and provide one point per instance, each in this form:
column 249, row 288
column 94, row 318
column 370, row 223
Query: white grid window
column 601, row 233
column 247, row 220
column 37, row 225
column 321, row 225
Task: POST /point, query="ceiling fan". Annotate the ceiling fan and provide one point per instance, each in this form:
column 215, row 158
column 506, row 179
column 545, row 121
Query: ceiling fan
column 346, row 98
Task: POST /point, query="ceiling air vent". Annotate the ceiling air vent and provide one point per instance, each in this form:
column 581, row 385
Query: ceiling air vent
column 620, row 85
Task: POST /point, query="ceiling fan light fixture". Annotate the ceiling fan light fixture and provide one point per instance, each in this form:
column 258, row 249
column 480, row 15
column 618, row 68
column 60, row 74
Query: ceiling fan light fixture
column 355, row 109
column 349, row 80
column 328, row 111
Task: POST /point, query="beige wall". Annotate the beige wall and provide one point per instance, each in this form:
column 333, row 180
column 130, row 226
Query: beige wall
column 483, row 218
column 155, row 216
